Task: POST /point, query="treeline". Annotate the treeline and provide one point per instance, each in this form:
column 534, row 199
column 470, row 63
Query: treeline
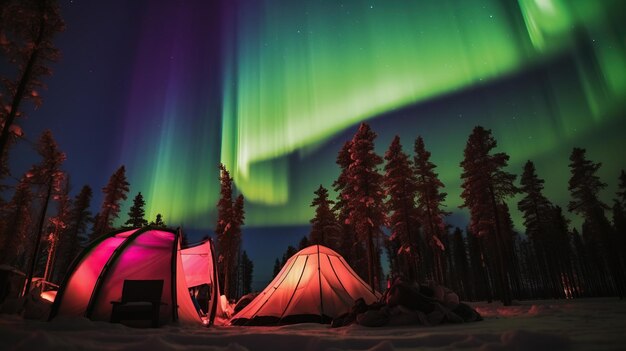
column 396, row 204
column 42, row 228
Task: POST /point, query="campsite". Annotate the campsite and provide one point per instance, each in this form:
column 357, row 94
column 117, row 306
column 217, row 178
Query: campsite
column 319, row 175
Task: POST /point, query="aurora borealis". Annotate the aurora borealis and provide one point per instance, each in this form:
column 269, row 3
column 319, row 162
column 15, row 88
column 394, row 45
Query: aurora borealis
column 293, row 82
column 274, row 88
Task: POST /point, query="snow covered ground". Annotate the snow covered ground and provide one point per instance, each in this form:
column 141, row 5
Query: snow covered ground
column 586, row 324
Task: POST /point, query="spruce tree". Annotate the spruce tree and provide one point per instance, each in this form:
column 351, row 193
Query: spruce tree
column 430, row 205
column 158, row 221
column 509, row 243
column 114, row 192
column 485, row 186
column 351, row 248
column 49, row 177
column 230, row 218
column 619, row 227
column 28, row 28
column 75, row 233
column 277, row 267
column 537, row 212
column 304, row 243
column 619, row 216
column 247, row 269
column 235, row 232
column 621, row 189
column 461, row 264
column 57, row 224
column 365, row 198
column 585, row 187
column 224, row 222
column 582, row 266
column 17, row 223
column 400, row 189
column 287, row 255
column 136, row 213
column 324, row 227
column 563, row 254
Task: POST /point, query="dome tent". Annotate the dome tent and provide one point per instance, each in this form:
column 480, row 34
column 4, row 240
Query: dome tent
column 98, row 274
column 315, row 286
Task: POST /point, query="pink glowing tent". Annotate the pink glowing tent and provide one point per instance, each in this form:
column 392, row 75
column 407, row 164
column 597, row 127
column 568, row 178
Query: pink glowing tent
column 97, row 276
column 315, row 285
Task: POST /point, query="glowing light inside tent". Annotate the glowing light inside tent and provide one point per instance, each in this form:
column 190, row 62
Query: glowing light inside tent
column 146, row 256
column 49, row 295
column 315, row 284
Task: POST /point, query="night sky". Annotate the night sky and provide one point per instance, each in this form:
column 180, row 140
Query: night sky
column 274, row 88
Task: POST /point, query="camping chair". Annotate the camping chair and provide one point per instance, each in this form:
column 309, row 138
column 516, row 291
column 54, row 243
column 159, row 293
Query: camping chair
column 141, row 300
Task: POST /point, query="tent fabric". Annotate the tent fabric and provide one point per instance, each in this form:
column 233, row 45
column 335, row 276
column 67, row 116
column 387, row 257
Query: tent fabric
column 97, row 276
column 199, row 264
column 315, row 285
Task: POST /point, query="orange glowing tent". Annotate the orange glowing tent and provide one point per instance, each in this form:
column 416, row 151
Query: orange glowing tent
column 315, row 286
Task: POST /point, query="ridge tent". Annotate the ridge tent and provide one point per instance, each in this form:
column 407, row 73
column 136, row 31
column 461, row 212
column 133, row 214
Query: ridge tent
column 98, row 274
column 315, row 286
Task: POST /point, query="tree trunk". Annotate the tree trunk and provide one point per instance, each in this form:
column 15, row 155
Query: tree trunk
column 500, row 266
column 42, row 218
column 21, row 87
column 370, row 258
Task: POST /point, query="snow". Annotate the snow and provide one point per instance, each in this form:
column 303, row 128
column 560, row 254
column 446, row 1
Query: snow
column 585, row 324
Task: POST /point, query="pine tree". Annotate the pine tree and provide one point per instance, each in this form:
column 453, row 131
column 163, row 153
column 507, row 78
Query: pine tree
column 563, row 253
column 304, row 243
column 485, row 186
column 277, row 267
column 509, row 242
column 325, row 230
column 76, row 232
column 57, row 224
column 158, row 221
column 224, row 222
column 429, row 205
column 235, row 232
column 230, row 218
column 17, row 223
column 400, row 189
column 619, row 216
column 537, row 210
column 28, row 28
column 49, row 177
column 585, row 187
column 287, row 255
column 481, row 288
column 582, row 265
column 461, row 264
column 114, row 192
column 136, row 213
column 247, row 268
column 351, row 248
column 365, row 197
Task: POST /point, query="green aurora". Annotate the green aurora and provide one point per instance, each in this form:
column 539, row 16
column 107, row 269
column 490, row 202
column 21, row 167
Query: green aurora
column 298, row 77
column 299, row 74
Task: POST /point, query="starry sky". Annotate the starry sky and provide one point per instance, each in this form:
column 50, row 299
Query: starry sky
column 273, row 89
